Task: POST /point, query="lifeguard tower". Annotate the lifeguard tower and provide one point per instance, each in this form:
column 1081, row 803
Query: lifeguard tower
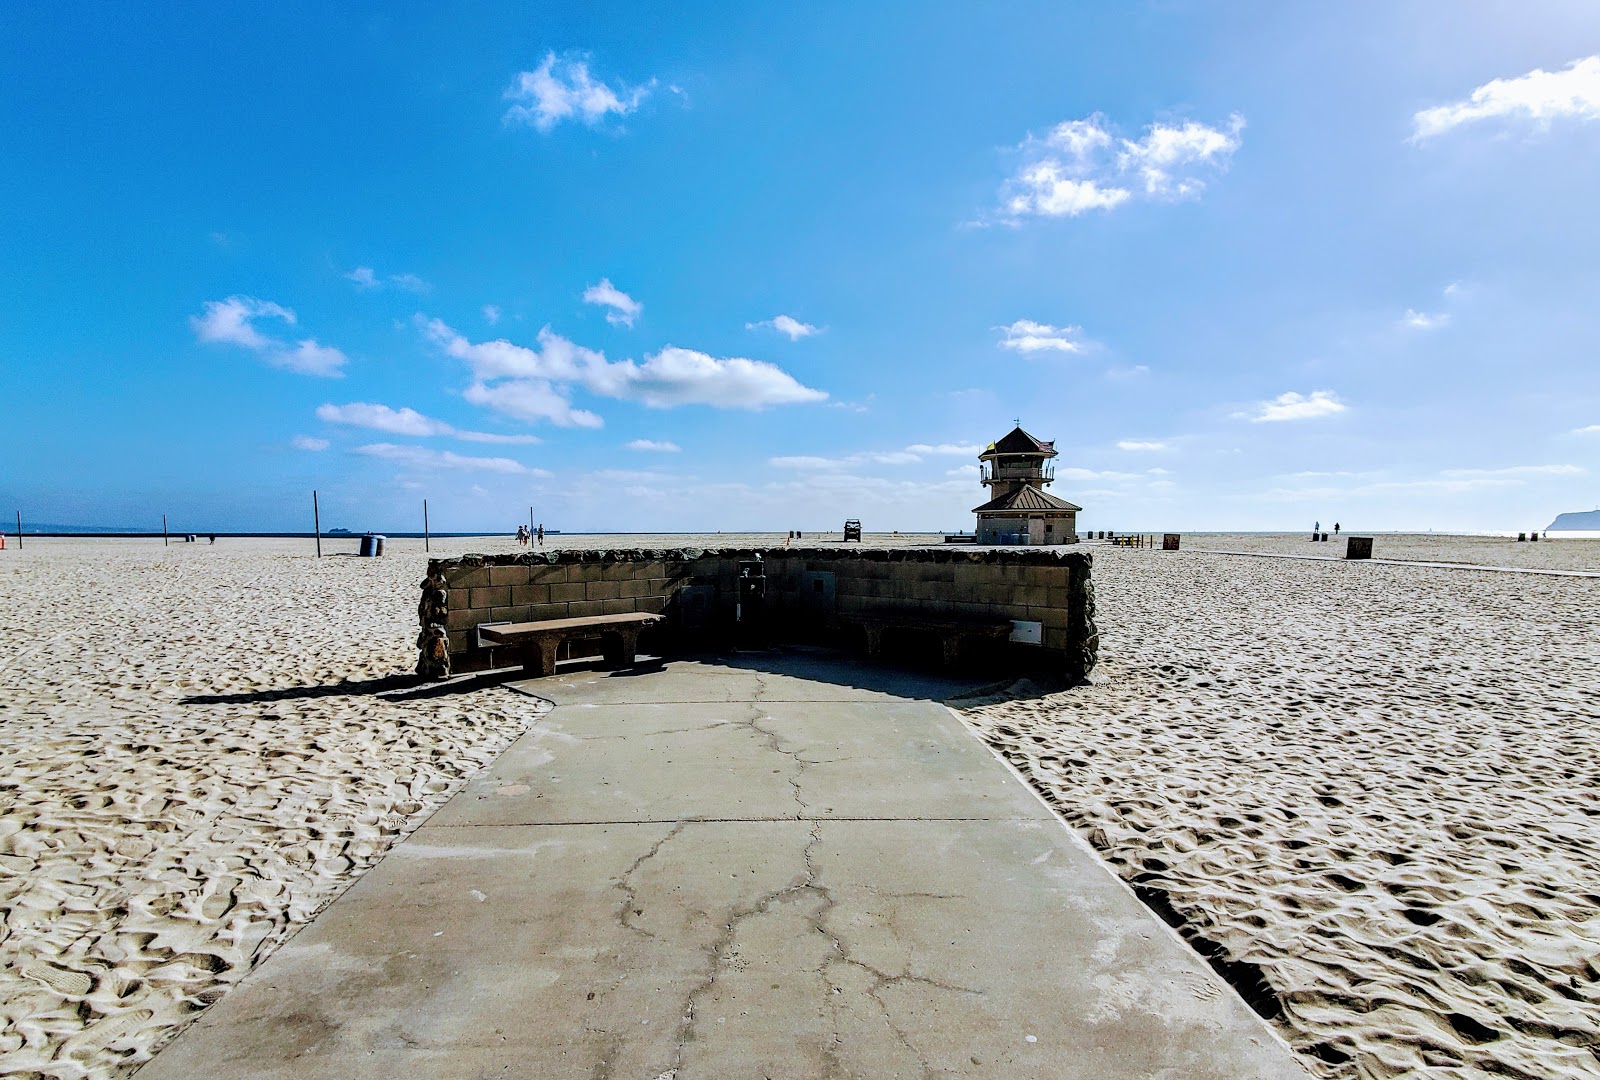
column 1016, row 469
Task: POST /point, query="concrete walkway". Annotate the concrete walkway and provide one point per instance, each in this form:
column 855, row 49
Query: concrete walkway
column 783, row 866
column 1547, row 572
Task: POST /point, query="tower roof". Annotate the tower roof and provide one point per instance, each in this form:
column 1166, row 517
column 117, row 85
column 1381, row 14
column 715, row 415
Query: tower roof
column 1026, row 497
column 1019, row 442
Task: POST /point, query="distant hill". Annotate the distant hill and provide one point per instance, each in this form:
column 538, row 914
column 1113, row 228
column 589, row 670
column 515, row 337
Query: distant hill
column 1582, row 521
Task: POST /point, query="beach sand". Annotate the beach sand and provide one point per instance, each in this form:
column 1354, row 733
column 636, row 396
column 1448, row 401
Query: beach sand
column 200, row 746
column 1375, row 788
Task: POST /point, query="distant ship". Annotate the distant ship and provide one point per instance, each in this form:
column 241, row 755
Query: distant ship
column 1582, row 521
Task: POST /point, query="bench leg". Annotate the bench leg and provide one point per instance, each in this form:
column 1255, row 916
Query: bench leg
column 951, row 650
column 874, row 640
column 541, row 657
column 630, row 647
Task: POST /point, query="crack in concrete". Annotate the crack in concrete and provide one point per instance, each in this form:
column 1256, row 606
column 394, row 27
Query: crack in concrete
column 624, row 884
column 721, row 948
column 775, row 744
column 663, row 731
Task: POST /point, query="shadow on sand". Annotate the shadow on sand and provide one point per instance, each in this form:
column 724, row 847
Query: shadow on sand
column 814, row 663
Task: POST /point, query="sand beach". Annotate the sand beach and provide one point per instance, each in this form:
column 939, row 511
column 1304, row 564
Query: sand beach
column 1369, row 791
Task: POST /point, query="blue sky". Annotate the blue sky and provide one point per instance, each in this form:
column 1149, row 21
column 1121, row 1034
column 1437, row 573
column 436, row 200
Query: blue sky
column 751, row 267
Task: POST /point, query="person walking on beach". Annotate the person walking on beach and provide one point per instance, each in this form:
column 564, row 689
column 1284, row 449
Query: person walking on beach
column 541, row 534
column 1336, row 528
column 522, row 535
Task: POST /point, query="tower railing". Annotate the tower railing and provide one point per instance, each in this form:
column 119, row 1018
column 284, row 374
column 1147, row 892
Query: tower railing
column 990, row 472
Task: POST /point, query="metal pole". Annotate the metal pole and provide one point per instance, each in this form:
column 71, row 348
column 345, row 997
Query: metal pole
column 530, row 519
column 163, row 530
column 425, row 546
column 316, row 522
column 19, row 530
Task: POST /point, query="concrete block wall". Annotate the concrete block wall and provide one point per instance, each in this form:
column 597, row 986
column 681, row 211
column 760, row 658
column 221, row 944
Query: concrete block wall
column 1044, row 585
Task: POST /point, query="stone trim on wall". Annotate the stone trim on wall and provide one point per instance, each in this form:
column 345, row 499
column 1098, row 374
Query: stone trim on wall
column 1044, row 585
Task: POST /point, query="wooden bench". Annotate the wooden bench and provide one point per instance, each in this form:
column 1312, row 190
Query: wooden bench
column 540, row 641
column 954, row 634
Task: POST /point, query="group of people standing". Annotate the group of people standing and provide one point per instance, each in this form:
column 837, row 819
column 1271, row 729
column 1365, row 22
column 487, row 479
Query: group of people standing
column 525, row 537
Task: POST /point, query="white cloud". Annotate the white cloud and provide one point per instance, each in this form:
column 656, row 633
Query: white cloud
column 1071, row 473
column 232, row 322
column 422, row 457
column 491, row 314
column 532, row 383
column 909, row 456
column 1026, row 336
column 530, row 400
column 1293, row 406
column 366, row 278
column 562, row 88
column 1137, row 444
column 1591, row 429
column 958, row 449
column 1423, row 320
column 851, row 461
column 497, row 439
column 405, row 421
column 965, row 471
column 790, row 327
column 1539, row 96
column 651, row 445
column 306, row 442
column 1082, row 166
column 676, row 376
column 1167, row 150
column 383, row 418
column 624, row 308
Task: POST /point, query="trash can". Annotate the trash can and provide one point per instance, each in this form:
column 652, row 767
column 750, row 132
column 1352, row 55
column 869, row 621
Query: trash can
column 1358, row 547
column 371, row 545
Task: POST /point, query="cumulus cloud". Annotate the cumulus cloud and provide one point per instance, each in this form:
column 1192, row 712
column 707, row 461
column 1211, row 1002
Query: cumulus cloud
column 1293, row 406
column 786, row 325
column 405, row 421
column 624, row 308
column 1082, row 165
column 422, row 457
column 561, row 88
column 653, row 446
column 1138, row 444
column 1026, row 336
column 491, row 314
column 306, row 442
column 1539, row 97
column 233, row 322
column 536, row 383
